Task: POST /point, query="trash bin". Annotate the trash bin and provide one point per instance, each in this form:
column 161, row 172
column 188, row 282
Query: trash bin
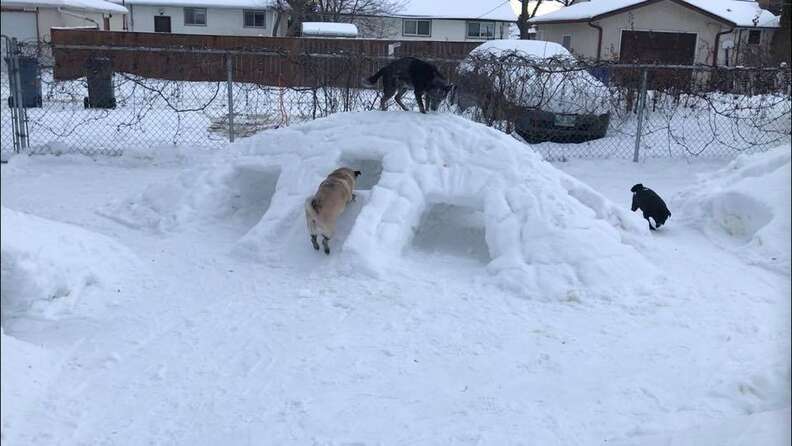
column 100, row 83
column 30, row 80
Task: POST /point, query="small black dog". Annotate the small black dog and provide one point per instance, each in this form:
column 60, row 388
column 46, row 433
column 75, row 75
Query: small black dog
column 409, row 72
column 650, row 204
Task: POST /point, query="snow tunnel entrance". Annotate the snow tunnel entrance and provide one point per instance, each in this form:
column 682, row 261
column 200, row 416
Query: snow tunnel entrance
column 371, row 170
column 452, row 230
column 253, row 188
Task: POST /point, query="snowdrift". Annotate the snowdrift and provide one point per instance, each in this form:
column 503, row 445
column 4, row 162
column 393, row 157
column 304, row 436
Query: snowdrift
column 746, row 206
column 545, row 232
column 51, row 269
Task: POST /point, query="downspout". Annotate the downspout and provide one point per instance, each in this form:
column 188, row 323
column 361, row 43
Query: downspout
column 599, row 39
column 717, row 46
column 38, row 33
column 124, row 17
column 69, row 13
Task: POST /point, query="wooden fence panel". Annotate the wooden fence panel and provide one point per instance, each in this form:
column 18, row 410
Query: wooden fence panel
column 275, row 61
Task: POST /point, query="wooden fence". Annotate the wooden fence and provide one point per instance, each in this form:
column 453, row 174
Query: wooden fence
column 274, row 61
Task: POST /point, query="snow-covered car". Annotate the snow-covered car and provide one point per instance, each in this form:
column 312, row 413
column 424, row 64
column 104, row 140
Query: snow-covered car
column 538, row 87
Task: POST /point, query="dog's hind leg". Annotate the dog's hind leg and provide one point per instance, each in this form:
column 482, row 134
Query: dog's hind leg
column 325, row 245
column 398, row 98
column 419, row 98
column 314, row 242
column 387, row 92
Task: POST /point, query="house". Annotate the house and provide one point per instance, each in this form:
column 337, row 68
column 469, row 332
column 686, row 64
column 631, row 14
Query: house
column 31, row 20
column 443, row 20
column 213, row 17
column 716, row 32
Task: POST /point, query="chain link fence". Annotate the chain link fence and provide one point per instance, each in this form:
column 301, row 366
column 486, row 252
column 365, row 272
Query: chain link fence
column 565, row 108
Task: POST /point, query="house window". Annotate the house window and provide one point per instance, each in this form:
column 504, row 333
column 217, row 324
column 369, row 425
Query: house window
column 255, row 19
column 195, row 16
column 754, row 37
column 566, row 42
column 417, row 28
column 481, row 30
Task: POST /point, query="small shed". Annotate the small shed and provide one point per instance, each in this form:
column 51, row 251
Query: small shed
column 328, row 29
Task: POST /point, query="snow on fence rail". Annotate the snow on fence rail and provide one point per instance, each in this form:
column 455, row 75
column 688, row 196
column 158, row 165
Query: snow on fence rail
column 667, row 111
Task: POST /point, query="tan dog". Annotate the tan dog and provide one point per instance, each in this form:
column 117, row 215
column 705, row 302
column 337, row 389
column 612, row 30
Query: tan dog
column 322, row 210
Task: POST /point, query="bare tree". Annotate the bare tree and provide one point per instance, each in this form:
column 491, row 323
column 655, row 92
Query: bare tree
column 359, row 12
column 528, row 10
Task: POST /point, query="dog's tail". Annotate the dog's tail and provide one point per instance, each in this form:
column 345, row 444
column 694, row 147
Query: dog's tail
column 371, row 81
column 312, row 207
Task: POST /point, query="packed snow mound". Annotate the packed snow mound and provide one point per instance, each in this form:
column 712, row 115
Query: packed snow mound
column 546, row 233
column 747, row 203
column 52, row 269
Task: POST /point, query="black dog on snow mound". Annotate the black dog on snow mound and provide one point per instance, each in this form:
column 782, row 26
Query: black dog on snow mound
column 650, row 204
column 408, row 72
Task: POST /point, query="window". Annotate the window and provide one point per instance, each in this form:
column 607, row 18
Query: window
column 754, row 37
column 481, row 30
column 566, row 42
column 417, row 28
column 195, row 16
column 255, row 19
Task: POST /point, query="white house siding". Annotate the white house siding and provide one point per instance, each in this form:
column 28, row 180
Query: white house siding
column 219, row 21
column 23, row 23
column 584, row 37
column 19, row 24
column 663, row 16
column 442, row 29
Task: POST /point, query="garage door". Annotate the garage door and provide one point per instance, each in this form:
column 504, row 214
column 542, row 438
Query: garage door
column 657, row 47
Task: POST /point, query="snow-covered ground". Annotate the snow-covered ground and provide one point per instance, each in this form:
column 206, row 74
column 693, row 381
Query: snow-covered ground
column 475, row 295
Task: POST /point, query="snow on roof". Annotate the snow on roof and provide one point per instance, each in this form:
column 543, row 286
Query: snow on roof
column 499, row 10
column 80, row 5
column 329, row 29
column 232, row 4
column 740, row 13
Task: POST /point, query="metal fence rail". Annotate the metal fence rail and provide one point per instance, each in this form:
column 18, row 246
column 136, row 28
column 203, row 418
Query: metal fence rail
column 652, row 111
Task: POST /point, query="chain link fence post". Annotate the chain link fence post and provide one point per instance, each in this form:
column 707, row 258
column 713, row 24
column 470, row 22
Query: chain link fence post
column 641, row 107
column 230, row 82
column 16, row 105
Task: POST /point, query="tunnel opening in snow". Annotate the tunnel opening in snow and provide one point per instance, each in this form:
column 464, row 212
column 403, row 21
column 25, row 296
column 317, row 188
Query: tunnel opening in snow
column 370, row 170
column 453, row 230
column 253, row 188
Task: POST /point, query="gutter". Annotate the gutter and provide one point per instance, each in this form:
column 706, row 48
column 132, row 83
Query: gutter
column 599, row 39
column 69, row 13
column 717, row 46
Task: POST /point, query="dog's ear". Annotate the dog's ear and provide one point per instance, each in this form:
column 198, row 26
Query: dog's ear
column 637, row 188
column 357, row 173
